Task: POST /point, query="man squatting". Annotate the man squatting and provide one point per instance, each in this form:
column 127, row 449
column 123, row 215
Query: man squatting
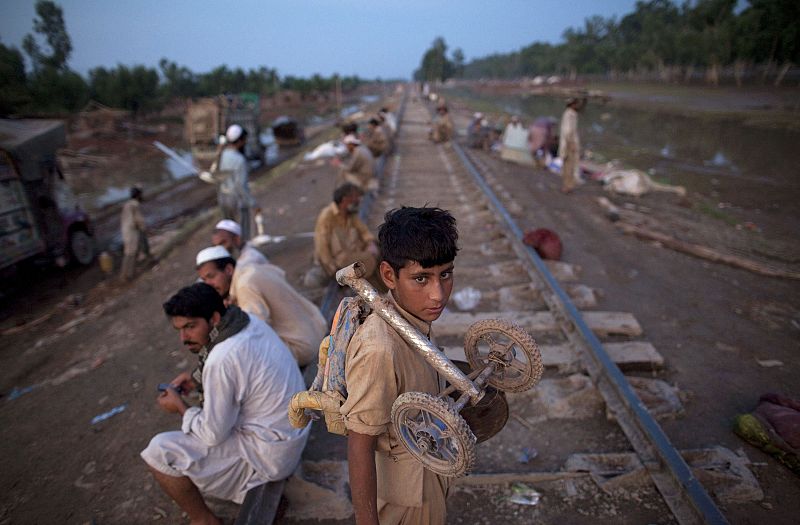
column 240, row 438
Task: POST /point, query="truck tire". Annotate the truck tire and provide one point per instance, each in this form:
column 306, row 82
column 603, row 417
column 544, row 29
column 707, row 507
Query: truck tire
column 81, row 247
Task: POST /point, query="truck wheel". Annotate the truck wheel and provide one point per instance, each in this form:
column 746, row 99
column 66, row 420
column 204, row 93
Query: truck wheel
column 81, row 247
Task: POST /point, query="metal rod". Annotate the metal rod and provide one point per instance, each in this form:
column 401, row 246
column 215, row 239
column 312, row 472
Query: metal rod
column 171, row 153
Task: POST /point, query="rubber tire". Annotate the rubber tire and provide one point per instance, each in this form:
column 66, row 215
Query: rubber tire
column 461, row 433
column 522, row 340
column 81, row 247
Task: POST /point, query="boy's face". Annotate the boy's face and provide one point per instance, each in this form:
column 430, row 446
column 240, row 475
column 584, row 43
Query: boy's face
column 422, row 292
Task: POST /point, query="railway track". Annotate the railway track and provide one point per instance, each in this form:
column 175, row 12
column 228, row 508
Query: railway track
column 601, row 452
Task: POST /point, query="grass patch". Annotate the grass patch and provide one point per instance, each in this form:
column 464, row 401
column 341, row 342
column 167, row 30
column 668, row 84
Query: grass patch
column 714, row 212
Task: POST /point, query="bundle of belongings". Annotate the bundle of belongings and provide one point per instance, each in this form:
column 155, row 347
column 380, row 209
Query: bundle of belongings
column 636, row 183
column 546, row 242
column 774, row 427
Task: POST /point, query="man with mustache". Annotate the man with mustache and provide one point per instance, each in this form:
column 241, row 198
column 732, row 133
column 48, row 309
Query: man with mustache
column 239, row 437
column 341, row 238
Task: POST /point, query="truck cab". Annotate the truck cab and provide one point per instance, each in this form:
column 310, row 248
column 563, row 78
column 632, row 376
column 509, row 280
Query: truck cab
column 39, row 216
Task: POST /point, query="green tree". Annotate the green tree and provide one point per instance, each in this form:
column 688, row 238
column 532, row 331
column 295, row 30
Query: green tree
column 435, row 66
column 13, row 91
column 50, row 25
column 135, row 88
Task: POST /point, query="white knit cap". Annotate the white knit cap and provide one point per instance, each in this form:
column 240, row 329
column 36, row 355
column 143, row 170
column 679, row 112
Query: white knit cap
column 352, row 139
column 229, row 226
column 211, row 254
column 234, row 133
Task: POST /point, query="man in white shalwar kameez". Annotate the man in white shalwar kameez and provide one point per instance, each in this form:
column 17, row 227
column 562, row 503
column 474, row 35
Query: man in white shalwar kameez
column 240, row 437
column 228, row 234
column 233, row 195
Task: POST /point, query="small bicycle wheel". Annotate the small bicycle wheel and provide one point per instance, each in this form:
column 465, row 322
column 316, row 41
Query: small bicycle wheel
column 512, row 349
column 434, row 433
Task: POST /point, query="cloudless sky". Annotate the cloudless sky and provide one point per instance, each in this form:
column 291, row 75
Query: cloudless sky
column 377, row 38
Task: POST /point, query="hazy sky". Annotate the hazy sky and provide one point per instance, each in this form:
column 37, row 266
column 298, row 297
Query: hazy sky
column 377, row 38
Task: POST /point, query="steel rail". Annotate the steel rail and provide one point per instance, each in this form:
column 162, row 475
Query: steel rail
column 681, row 491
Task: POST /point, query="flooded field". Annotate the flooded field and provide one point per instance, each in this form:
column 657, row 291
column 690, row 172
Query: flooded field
column 751, row 170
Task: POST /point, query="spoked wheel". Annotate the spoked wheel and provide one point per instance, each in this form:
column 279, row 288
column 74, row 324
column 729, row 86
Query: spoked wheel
column 512, row 349
column 434, row 433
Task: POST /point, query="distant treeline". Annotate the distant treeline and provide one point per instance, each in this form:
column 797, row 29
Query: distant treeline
column 659, row 37
column 51, row 87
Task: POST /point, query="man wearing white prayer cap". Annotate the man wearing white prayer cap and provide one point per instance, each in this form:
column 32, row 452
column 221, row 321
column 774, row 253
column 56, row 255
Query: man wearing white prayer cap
column 233, row 194
column 263, row 291
column 228, row 233
column 360, row 169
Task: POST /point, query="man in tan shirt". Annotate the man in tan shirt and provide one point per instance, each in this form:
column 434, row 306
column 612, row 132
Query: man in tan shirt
column 569, row 146
column 442, row 129
column 134, row 239
column 263, row 291
column 340, row 238
column 360, row 168
column 377, row 141
column 388, row 485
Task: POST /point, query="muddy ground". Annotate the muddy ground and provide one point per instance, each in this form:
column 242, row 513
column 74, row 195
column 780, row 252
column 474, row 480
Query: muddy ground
column 105, row 345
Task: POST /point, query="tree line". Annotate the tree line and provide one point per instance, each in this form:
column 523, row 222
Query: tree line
column 51, row 87
column 659, row 36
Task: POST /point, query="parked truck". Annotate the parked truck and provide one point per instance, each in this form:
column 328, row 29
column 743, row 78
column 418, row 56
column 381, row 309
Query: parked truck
column 39, row 216
column 208, row 118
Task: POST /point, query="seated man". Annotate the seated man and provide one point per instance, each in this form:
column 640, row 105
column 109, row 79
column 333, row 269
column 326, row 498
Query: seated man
column 418, row 247
column 377, row 141
column 228, row 234
column 263, row 291
column 360, row 168
column 442, row 128
column 340, row 238
column 240, row 437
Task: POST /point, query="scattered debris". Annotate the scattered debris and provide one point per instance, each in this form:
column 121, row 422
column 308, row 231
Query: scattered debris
column 637, row 183
column 527, row 454
column 17, row 392
column 524, row 495
column 467, row 298
column 111, row 413
column 704, row 252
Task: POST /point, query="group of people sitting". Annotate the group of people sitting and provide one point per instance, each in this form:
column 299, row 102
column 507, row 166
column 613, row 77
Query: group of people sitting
column 252, row 333
column 365, row 148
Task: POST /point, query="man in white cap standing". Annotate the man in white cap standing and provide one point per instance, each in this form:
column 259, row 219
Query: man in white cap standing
column 263, row 291
column 360, row 169
column 233, row 195
column 228, row 234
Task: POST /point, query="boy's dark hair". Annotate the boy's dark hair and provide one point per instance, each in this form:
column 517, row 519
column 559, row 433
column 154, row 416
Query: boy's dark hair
column 344, row 190
column 349, row 128
column 222, row 263
column 197, row 300
column 425, row 235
